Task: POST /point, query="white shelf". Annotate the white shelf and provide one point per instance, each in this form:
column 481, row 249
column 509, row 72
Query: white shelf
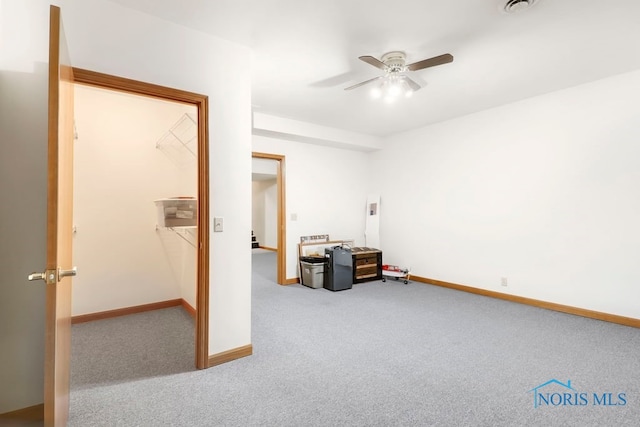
column 187, row 233
column 182, row 137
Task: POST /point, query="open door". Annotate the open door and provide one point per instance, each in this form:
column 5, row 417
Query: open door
column 57, row 275
column 59, row 227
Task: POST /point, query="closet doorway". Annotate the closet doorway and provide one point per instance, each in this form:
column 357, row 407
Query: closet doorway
column 191, row 266
column 280, row 228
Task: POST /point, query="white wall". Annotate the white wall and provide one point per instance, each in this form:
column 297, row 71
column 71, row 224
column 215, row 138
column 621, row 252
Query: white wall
column 264, row 208
column 270, row 195
column 543, row 192
column 257, row 210
column 108, row 38
column 24, row 37
column 118, row 173
column 325, row 189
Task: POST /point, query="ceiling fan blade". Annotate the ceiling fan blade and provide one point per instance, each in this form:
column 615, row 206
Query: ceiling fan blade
column 363, row 83
column 373, row 61
column 412, row 84
column 431, row 62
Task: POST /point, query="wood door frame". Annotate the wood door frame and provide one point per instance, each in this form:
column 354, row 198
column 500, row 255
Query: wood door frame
column 201, row 102
column 282, row 229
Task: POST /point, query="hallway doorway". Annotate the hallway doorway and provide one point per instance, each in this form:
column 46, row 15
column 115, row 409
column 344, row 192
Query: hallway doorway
column 280, row 203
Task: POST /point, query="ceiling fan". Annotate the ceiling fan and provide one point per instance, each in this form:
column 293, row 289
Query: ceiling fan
column 395, row 81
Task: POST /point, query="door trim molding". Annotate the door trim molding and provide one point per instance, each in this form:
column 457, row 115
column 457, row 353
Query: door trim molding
column 282, row 225
column 201, row 102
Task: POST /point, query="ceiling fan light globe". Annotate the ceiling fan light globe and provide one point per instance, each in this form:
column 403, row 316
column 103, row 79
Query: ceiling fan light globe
column 394, row 89
column 376, row 93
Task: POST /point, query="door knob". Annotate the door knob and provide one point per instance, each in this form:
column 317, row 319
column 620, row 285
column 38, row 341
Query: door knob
column 65, row 273
column 49, row 276
column 37, row 276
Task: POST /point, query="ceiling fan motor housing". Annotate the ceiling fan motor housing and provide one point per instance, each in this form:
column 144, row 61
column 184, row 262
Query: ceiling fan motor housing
column 395, row 61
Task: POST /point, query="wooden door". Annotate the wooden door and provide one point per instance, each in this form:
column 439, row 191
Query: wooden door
column 59, row 227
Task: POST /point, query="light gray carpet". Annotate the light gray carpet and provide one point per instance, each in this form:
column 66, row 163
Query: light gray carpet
column 128, row 348
column 380, row 354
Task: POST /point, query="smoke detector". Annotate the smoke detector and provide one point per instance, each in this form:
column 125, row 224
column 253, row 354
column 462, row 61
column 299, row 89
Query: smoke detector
column 513, row 6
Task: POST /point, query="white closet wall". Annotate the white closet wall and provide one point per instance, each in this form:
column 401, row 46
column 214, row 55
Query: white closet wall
column 122, row 259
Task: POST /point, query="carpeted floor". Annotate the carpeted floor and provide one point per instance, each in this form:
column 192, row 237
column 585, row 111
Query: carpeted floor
column 380, row 354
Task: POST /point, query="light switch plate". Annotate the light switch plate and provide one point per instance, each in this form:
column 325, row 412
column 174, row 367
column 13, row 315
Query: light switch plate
column 218, row 224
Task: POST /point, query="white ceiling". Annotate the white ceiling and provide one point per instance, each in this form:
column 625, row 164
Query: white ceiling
column 305, row 52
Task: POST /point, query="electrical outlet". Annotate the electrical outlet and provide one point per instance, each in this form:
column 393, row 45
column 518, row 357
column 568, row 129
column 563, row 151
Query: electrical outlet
column 503, row 281
column 218, row 224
